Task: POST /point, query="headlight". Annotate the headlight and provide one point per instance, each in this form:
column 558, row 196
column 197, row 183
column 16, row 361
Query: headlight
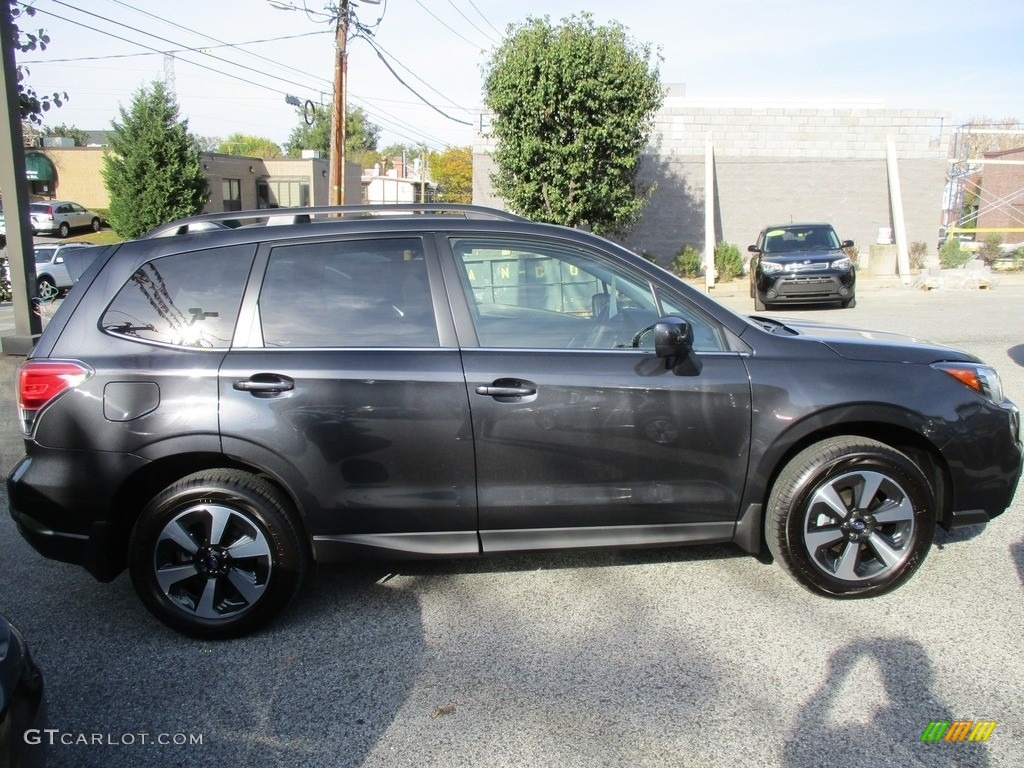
column 843, row 263
column 770, row 267
column 982, row 379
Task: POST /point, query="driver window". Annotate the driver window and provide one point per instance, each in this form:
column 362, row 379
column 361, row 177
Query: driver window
column 538, row 295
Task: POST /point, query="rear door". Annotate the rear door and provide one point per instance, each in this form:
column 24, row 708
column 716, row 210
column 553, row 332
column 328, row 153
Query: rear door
column 582, row 435
column 345, row 382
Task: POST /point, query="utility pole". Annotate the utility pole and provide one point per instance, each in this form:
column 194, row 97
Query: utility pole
column 27, row 324
column 337, row 161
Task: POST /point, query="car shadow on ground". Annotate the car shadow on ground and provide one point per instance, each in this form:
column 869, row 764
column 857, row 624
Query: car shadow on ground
column 944, row 538
column 1017, row 555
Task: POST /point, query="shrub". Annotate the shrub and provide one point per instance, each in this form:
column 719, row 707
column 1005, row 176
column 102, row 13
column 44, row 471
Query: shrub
column 688, row 262
column 990, row 249
column 728, row 262
column 951, row 255
column 917, row 252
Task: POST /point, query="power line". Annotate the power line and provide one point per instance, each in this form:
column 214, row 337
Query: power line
column 182, row 50
column 474, row 26
column 225, row 44
column 380, row 49
column 172, row 42
column 445, row 25
column 413, row 90
column 485, row 19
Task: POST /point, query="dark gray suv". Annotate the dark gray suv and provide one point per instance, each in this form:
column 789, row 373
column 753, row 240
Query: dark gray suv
column 219, row 410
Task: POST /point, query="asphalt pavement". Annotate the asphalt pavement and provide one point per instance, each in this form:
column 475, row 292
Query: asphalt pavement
column 699, row 656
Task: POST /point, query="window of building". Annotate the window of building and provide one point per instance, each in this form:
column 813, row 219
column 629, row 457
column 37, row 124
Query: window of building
column 282, row 193
column 232, row 194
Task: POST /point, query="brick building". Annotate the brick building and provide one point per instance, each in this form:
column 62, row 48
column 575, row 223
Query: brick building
column 1002, row 194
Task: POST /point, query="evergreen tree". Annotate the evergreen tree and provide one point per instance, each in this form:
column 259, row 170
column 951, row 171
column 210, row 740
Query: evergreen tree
column 153, row 173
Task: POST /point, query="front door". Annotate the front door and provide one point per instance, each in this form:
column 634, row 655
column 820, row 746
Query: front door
column 582, row 436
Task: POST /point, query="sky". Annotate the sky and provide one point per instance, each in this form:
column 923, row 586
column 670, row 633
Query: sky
column 235, row 61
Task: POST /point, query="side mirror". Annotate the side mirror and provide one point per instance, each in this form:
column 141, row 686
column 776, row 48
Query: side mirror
column 755, row 249
column 847, row 244
column 673, row 337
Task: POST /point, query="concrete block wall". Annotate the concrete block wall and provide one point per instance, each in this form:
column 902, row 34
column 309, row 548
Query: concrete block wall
column 777, row 164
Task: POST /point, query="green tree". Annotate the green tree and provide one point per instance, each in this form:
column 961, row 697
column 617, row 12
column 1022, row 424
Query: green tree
column 452, row 172
column 153, row 173
column 249, row 146
column 361, row 135
column 80, row 137
column 572, row 108
column 32, row 104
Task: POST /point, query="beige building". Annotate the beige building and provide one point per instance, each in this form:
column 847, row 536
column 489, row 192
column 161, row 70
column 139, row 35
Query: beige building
column 236, row 183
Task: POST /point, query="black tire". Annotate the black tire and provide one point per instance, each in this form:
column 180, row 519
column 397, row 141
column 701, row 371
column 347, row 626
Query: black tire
column 64, row 229
column 850, row 517
column 850, row 303
column 205, row 588
column 95, row 224
column 47, row 288
column 759, row 306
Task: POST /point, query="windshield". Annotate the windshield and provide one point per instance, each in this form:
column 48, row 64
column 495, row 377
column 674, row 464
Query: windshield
column 807, row 238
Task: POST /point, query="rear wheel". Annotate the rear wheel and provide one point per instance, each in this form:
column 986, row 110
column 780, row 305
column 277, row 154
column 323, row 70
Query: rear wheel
column 217, row 554
column 47, row 288
column 850, row 517
column 64, row 229
column 95, row 224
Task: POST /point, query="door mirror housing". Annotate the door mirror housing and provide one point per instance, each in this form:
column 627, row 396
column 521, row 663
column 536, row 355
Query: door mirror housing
column 673, row 337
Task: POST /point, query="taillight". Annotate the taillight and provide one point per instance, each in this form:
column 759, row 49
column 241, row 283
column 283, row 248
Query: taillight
column 42, row 381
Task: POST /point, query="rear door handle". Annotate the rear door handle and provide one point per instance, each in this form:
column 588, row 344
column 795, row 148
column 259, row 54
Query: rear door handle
column 265, row 384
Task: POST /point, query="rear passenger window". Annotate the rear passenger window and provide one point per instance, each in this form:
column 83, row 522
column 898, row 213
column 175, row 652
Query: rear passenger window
column 188, row 299
column 350, row 293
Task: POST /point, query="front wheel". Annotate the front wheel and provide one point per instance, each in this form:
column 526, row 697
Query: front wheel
column 850, row 517
column 217, row 554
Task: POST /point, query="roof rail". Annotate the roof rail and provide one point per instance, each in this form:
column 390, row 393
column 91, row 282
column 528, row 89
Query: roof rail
column 285, row 216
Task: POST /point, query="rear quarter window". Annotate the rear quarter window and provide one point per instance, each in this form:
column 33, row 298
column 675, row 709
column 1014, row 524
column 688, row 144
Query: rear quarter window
column 186, row 299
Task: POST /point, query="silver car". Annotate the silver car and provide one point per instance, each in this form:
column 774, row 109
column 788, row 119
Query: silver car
column 61, row 216
column 52, row 276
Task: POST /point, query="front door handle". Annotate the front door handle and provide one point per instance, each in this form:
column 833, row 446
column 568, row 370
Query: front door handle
column 265, row 384
column 508, row 390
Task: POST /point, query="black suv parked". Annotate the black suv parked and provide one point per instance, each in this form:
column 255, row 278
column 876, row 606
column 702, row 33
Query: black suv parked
column 218, row 410
column 801, row 264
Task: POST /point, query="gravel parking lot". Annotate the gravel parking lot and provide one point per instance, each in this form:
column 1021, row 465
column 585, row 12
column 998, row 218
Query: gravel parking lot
column 701, row 656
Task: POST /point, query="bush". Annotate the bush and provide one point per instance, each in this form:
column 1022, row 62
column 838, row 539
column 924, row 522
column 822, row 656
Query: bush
column 952, row 256
column 917, row 252
column 990, row 249
column 688, row 262
column 728, row 262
